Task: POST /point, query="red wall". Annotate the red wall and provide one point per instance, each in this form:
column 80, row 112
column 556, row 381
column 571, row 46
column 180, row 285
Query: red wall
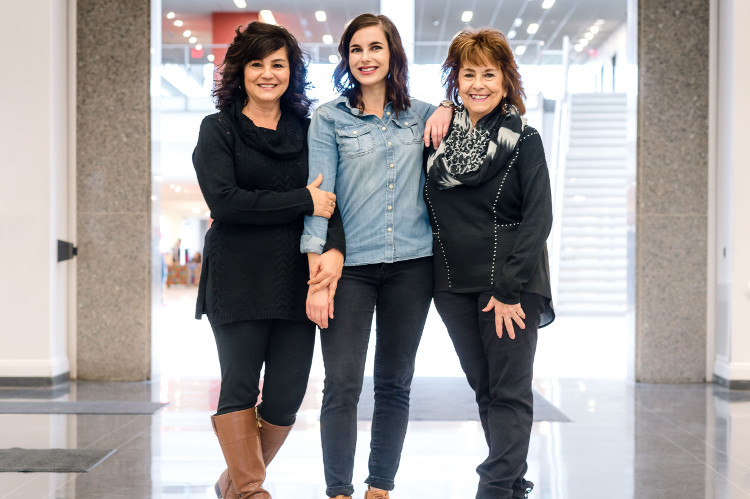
column 223, row 25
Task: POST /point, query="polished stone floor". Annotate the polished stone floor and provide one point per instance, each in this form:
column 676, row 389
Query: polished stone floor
column 625, row 440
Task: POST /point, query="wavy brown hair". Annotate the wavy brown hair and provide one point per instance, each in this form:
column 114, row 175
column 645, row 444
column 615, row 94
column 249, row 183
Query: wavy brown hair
column 397, row 81
column 483, row 46
column 253, row 43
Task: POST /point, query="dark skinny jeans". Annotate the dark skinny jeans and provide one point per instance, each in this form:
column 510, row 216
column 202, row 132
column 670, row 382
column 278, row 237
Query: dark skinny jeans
column 400, row 295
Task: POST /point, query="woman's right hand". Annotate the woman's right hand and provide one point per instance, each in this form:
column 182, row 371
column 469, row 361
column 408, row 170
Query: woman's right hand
column 323, row 202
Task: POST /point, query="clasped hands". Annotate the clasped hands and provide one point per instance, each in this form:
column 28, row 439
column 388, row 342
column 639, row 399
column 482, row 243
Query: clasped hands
column 325, row 271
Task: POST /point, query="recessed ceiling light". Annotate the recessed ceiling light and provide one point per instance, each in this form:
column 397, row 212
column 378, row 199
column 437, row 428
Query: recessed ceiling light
column 512, row 34
column 583, row 42
column 594, row 29
column 327, row 39
column 466, row 16
column 533, row 28
column 192, row 39
column 517, row 22
column 267, row 16
column 170, row 15
column 578, row 48
column 241, row 4
column 521, row 49
column 588, row 36
column 178, row 23
column 199, row 46
column 187, row 33
column 320, row 15
column 210, row 57
column 546, row 4
column 333, row 59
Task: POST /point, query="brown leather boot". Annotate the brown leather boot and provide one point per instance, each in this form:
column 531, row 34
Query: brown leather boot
column 376, row 494
column 239, row 437
column 272, row 437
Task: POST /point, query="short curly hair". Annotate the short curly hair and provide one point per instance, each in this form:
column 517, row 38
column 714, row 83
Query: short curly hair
column 483, row 46
column 255, row 42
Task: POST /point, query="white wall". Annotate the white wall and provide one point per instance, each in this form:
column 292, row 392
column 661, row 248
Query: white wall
column 732, row 200
column 34, row 193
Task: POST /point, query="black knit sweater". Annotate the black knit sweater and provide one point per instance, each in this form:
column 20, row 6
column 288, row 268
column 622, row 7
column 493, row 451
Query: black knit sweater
column 492, row 236
column 253, row 180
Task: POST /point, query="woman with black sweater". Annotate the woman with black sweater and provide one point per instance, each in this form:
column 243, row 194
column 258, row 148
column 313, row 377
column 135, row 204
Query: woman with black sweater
column 488, row 195
column 251, row 163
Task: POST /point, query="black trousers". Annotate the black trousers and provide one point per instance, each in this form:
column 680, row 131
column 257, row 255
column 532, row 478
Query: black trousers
column 286, row 349
column 500, row 372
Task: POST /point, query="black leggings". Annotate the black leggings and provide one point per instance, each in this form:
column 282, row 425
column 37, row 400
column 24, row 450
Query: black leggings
column 286, row 348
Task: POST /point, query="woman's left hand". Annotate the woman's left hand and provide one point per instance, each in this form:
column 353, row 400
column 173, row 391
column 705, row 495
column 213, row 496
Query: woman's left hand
column 325, row 271
column 506, row 314
column 437, row 126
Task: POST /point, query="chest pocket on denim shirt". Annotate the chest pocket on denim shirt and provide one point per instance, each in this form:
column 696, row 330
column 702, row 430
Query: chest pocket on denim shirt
column 407, row 129
column 355, row 141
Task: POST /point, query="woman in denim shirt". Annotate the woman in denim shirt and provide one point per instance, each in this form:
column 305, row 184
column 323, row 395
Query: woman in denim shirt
column 368, row 144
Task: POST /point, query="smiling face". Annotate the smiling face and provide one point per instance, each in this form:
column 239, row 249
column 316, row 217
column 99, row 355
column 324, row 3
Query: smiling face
column 266, row 80
column 369, row 56
column 481, row 88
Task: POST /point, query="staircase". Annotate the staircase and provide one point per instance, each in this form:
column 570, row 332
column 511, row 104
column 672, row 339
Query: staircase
column 592, row 269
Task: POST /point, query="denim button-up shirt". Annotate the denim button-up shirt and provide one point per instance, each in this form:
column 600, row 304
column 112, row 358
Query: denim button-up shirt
column 374, row 165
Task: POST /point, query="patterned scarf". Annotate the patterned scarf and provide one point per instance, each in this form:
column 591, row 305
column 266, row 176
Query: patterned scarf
column 463, row 158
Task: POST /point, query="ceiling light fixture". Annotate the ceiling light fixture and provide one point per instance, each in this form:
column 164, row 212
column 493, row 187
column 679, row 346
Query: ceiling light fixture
column 512, row 34
column 583, row 42
column 594, row 29
column 187, row 33
column 192, row 39
column 588, row 36
column 333, row 59
column 267, row 16
column 327, row 39
column 178, row 23
column 521, row 49
column 578, row 48
column 199, row 46
column 210, row 57
column 546, row 4
column 517, row 22
column 241, row 4
column 466, row 16
column 320, row 15
column 170, row 15
column 533, row 28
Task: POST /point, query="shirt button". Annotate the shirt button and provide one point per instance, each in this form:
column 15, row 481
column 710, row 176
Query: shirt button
column 390, row 229
column 391, row 165
column 390, row 186
column 388, row 113
column 383, row 128
column 406, row 122
column 389, row 144
column 390, row 207
column 354, row 132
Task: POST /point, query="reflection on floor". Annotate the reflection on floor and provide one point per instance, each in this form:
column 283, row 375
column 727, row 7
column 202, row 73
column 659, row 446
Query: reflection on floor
column 625, row 440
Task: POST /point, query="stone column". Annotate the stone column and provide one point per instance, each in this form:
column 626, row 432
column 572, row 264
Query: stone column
column 113, row 190
column 672, row 189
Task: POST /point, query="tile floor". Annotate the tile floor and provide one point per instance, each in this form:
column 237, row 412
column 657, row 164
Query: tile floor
column 626, row 440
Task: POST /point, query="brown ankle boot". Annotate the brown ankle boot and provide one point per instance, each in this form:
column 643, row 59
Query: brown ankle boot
column 239, row 437
column 376, row 494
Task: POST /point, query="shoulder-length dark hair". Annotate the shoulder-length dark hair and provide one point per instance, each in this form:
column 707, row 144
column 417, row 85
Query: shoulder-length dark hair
column 397, row 81
column 483, row 46
column 254, row 43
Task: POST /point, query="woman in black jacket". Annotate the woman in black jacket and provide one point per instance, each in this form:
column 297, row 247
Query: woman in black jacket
column 251, row 163
column 488, row 194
